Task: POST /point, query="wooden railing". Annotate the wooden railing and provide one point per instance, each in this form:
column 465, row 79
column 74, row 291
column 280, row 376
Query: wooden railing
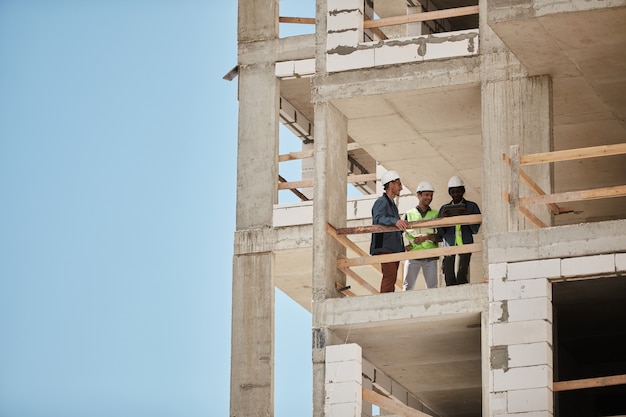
column 521, row 205
column 420, row 17
column 344, row 264
column 283, row 184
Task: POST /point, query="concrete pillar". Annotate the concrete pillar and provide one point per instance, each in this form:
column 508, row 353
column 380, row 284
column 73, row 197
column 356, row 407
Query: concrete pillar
column 331, row 168
column 252, row 343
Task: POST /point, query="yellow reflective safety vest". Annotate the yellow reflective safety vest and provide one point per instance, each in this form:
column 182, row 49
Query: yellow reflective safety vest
column 413, row 215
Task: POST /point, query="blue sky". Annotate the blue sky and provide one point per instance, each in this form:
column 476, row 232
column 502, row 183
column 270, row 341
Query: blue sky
column 118, row 141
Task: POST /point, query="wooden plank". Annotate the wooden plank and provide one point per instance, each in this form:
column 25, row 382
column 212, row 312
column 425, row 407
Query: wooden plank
column 403, row 256
column 347, row 243
column 344, row 290
column 353, row 146
column 420, row 17
column 534, row 187
column 299, row 20
column 531, row 217
column 537, row 190
column 593, row 194
column 288, row 185
column 444, row 221
column 603, row 381
column 571, row 154
column 295, row 184
column 361, row 178
column 391, row 404
column 358, row 279
column 293, row 156
column 514, row 189
column 296, row 192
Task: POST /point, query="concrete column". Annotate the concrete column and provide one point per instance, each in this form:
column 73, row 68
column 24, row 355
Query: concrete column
column 514, row 112
column 331, row 168
column 252, row 343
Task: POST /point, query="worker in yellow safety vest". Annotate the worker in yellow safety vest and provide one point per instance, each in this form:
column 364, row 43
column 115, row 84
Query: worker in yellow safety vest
column 421, row 239
column 457, row 235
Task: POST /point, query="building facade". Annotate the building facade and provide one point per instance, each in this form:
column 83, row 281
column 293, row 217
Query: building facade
column 526, row 101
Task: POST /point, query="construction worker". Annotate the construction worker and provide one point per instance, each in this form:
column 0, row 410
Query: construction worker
column 420, row 239
column 385, row 212
column 457, row 235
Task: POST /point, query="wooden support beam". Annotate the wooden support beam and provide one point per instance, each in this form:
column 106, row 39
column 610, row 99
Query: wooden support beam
column 299, row 20
column 309, row 183
column 603, row 381
column 572, row 154
column 420, row 17
column 514, row 189
column 593, row 194
column 348, row 244
column 531, row 217
column 444, row 221
column 358, row 279
column 361, row 178
column 344, row 290
column 391, row 404
column 293, row 156
column 403, row 256
column 533, row 187
column 295, row 184
column 295, row 191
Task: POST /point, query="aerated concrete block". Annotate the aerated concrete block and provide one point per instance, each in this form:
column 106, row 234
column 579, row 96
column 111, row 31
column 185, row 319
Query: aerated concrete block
column 344, row 392
column 357, row 59
column 343, row 410
column 547, row 268
column 521, row 332
column 620, row 262
column 345, row 352
column 588, row 265
column 498, row 271
column 530, row 354
column 514, row 290
column 530, row 309
column 536, row 399
column 522, row 378
column 345, row 371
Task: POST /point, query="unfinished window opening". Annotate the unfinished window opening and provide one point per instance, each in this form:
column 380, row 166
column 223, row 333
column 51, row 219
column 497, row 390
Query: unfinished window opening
column 590, row 342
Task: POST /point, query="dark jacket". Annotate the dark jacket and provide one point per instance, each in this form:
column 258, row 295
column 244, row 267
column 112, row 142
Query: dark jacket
column 448, row 233
column 385, row 212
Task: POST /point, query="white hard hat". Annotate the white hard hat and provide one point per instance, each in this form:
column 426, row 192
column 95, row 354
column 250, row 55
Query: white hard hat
column 389, row 176
column 455, row 182
column 424, row 186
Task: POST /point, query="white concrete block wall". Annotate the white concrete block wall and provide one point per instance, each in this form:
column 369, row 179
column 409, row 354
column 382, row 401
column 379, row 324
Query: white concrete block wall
column 363, row 58
column 520, row 327
column 343, row 383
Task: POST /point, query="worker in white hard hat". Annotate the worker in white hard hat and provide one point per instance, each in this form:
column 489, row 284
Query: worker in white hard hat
column 421, row 239
column 386, row 212
column 457, row 235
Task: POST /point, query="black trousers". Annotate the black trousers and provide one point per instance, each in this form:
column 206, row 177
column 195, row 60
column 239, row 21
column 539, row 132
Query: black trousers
column 460, row 277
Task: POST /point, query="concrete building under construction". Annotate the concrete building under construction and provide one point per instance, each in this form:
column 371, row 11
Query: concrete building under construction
column 523, row 99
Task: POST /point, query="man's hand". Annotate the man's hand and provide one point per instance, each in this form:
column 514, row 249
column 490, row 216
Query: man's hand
column 402, row 224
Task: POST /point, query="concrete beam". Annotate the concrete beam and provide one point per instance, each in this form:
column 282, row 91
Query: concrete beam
column 583, row 240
